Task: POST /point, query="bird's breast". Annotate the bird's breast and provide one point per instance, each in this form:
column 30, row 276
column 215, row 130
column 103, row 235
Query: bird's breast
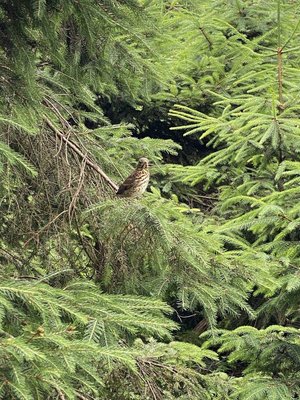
column 141, row 182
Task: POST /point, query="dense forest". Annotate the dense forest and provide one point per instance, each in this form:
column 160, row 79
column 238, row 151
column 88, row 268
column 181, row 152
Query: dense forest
column 192, row 290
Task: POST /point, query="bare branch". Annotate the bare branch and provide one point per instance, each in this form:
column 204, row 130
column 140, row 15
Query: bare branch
column 76, row 149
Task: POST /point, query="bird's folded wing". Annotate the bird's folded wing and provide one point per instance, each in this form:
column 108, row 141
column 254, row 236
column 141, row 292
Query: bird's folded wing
column 125, row 185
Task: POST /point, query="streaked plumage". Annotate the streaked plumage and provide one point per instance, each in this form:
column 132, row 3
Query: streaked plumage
column 136, row 183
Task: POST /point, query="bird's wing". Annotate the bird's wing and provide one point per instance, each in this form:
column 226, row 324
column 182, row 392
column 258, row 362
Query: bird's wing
column 126, row 184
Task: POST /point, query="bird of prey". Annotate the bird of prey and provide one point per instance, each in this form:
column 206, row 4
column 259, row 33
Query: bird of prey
column 136, row 183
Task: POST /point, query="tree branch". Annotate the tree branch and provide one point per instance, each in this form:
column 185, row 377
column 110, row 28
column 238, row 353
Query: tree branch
column 77, row 150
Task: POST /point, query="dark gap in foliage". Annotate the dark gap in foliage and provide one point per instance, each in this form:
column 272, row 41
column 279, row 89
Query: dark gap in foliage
column 154, row 122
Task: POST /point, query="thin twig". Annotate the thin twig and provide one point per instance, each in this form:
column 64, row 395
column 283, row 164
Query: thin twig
column 75, row 148
column 150, row 386
column 207, row 37
column 280, row 78
column 37, row 234
column 60, row 394
column 281, row 104
column 81, row 397
column 72, row 206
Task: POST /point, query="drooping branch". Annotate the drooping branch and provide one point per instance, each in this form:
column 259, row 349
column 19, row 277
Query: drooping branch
column 77, row 150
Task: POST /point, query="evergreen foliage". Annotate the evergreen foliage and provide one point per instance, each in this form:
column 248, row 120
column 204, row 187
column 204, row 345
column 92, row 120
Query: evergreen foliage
column 270, row 358
column 253, row 127
column 67, row 342
column 91, row 284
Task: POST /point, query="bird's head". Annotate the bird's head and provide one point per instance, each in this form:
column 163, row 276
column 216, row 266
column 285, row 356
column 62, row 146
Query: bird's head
column 143, row 163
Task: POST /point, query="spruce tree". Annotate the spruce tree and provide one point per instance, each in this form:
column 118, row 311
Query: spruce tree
column 253, row 128
column 86, row 277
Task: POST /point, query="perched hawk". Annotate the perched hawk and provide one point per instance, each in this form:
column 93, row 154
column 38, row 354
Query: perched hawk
column 136, row 183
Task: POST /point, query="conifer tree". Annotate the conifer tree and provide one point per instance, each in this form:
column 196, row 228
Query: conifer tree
column 86, row 277
column 61, row 222
column 253, row 127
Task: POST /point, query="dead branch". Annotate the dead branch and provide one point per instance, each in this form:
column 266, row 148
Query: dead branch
column 76, row 149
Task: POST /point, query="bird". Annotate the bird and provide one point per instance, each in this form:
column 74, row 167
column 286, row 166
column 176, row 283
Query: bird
column 136, row 183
